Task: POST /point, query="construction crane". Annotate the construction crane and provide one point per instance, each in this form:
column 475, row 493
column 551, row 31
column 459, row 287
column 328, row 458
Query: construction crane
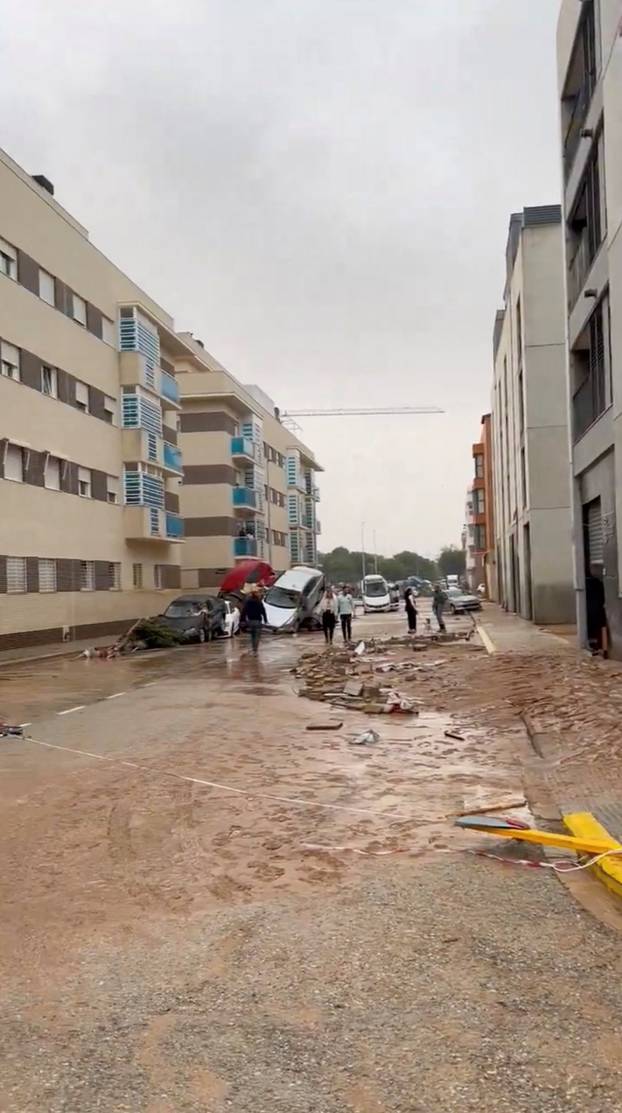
column 362, row 411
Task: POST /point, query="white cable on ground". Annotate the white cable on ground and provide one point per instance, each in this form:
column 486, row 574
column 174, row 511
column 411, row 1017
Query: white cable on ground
column 558, row 866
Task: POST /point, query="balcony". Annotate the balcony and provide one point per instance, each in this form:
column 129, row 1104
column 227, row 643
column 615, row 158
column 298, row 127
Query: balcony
column 318, row 526
column 141, row 489
column 141, row 413
column 144, row 523
column 244, row 547
column 243, row 449
column 244, row 500
column 140, row 446
column 172, row 459
column 174, row 525
column 169, row 391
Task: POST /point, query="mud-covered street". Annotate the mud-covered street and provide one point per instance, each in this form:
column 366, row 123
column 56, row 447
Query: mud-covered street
column 200, row 913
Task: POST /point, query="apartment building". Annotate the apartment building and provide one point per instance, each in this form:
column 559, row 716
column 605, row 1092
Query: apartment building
column 529, row 422
column 90, row 468
column 479, row 537
column 249, row 486
column 589, row 57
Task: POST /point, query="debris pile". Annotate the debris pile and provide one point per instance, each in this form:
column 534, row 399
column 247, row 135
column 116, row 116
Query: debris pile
column 354, row 678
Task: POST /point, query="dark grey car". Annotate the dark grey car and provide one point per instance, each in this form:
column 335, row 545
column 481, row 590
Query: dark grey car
column 197, row 617
column 459, row 602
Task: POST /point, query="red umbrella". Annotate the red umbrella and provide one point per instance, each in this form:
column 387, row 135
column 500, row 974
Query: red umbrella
column 247, row 572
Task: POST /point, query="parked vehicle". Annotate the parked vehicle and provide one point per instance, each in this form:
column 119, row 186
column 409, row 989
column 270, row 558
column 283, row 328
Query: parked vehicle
column 376, row 595
column 394, row 595
column 197, row 617
column 459, row 602
column 453, row 581
column 292, row 600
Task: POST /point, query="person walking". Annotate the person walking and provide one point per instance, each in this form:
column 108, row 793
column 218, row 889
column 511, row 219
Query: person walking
column 438, row 604
column 328, row 609
column 411, row 610
column 345, row 610
column 254, row 614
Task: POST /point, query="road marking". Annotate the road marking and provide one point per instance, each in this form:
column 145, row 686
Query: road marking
column 25, row 724
column 225, row 788
column 79, row 707
column 487, row 640
column 116, row 695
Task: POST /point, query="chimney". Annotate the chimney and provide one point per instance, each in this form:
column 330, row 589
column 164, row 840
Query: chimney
column 44, row 182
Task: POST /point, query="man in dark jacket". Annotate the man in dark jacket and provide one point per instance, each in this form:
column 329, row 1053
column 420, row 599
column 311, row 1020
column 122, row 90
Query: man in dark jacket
column 438, row 605
column 253, row 614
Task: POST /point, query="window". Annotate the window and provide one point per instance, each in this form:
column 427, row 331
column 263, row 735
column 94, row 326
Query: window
column 587, row 224
column 87, row 575
column 157, row 576
column 519, row 333
column 110, row 410
column 479, row 539
column 84, row 483
column 82, row 397
column 580, row 83
column 15, row 575
column 591, row 362
column 47, row 575
column 479, row 467
column 52, row 473
column 523, row 476
column 14, row 463
column 8, row 260
column 137, row 576
column 109, row 332
column 112, row 487
column 49, row 381
column 480, row 502
column 114, row 576
column 521, row 403
column 9, row 355
column 79, row 309
column 47, row 287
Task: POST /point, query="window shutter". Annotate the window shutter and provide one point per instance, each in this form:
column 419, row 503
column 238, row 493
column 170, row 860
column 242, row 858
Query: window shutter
column 15, row 575
column 595, row 532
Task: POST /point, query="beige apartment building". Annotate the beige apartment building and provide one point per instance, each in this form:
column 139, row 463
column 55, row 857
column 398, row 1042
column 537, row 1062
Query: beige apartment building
column 249, row 485
column 589, row 59
column 90, row 469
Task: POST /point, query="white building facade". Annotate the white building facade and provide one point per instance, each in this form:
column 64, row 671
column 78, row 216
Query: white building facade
column 530, row 430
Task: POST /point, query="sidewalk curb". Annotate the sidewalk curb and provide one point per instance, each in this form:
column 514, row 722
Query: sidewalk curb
column 608, row 870
column 489, row 645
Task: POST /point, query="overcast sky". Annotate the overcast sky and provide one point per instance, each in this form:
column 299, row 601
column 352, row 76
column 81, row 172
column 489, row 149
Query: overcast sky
column 320, row 190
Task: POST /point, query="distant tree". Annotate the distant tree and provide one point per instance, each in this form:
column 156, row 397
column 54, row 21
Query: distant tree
column 451, row 561
column 343, row 566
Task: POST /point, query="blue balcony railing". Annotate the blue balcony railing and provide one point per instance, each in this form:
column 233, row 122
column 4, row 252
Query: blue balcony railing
column 242, row 446
column 168, row 387
column 141, row 489
column 243, row 497
column 174, row 525
column 244, row 547
column 139, row 413
column 172, row 457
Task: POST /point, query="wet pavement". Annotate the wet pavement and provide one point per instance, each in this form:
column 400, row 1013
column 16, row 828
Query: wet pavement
column 208, row 907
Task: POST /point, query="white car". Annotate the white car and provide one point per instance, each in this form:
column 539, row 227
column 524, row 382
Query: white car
column 293, row 598
column 232, row 619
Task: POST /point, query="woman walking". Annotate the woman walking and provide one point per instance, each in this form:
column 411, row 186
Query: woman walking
column 411, row 610
column 328, row 608
column 345, row 610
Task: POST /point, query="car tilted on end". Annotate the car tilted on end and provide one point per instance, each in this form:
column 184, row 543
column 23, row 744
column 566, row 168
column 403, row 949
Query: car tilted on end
column 196, row 617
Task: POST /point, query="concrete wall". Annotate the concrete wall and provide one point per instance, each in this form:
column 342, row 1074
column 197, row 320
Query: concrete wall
column 597, row 455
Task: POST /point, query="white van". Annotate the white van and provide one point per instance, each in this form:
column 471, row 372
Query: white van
column 376, row 595
column 293, row 598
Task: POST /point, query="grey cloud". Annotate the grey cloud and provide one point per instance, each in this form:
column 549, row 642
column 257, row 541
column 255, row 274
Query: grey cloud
column 320, row 190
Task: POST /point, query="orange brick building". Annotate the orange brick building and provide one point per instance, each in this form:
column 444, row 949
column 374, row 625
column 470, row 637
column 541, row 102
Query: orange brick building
column 479, row 532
